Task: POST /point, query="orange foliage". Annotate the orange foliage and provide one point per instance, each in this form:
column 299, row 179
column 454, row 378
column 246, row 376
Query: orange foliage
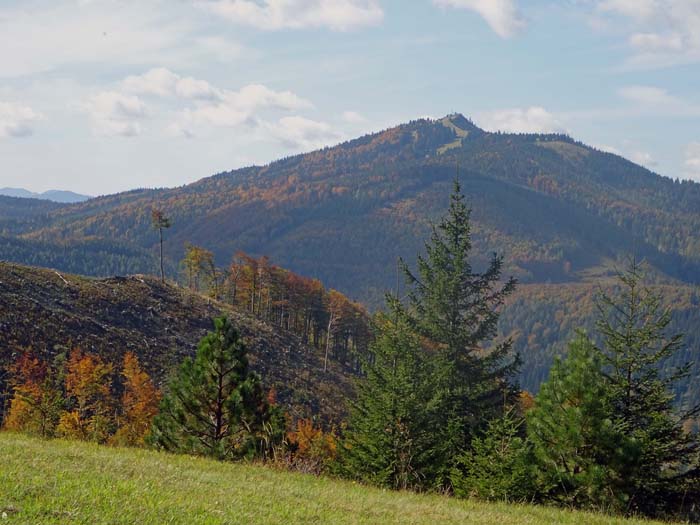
column 88, row 386
column 311, row 448
column 34, row 404
column 139, row 404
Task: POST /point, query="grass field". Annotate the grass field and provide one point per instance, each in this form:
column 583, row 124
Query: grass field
column 71, row 482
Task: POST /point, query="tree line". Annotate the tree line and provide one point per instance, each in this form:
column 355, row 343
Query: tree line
column 324, row 319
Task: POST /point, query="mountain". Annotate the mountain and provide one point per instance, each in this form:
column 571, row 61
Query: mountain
column 558, row 210
column 50, row 195
column 51, row 312
column 563, row 214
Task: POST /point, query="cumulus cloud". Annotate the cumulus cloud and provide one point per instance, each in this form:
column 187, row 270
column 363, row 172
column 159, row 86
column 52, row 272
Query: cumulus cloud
column 234, row 108
column 164, row 83
column 301, row 133
column 337, row 15
column 501, row 15
column 17, row 120
column 534, row 119
column 660, row 32
column 116, row 114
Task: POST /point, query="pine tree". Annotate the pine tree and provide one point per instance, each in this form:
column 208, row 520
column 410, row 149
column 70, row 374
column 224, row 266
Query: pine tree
column 388, row 438
column 581, row 454
column 635, row 343
column 457, row 309
column 215, row 406
column 139, row 404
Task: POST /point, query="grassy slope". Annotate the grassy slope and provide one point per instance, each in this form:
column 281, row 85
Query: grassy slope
column 72, row 482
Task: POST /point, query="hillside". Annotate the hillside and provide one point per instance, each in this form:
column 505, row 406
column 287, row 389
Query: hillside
column 556, row 208
column 50, row 312
column 71, row 482
column 543, row 318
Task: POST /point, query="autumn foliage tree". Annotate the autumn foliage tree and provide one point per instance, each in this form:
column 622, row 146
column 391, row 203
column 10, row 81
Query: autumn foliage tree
column 88, row 390
column 326, row 319
column 139, row 404
column 36, row 399
column 311, row 449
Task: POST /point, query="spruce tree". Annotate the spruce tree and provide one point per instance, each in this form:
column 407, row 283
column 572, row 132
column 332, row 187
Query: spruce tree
column 215, row 406
column 582, row 456
column 456, row 308
column 498, row 466
column 388, row 442
column 635, row 345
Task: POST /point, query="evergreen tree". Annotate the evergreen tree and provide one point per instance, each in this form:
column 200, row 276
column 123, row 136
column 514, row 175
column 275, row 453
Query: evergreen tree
column 498, row 466
column 388, row 438
column 581, row 454
column 215, row 406
column 457, row 309
column 633, row 328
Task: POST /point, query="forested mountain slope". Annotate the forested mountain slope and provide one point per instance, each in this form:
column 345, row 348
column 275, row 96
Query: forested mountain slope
column 543, row 318
column 51, row 312
column 555, row 208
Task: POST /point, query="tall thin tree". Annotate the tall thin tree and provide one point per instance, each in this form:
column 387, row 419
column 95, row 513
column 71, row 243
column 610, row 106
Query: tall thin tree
column 160, row 221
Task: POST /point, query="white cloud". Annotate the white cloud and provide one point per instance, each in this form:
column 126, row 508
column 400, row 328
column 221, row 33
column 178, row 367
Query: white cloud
column 47, row 35
column 353, row 117
column 116, row 114
column 648, row 95
column 234, row 108
column 643, row 158
column 655, row 42
column 301, row 133
column 17, row 120
column 534, row 119
column 692, row 161
column 607, row 148
column 501, row 15
column 660, row 32
column 657, row 101
column 164, row 83
column 338, row 15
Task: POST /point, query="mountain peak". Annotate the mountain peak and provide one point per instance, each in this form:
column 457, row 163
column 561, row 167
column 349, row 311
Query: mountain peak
column 457, row 121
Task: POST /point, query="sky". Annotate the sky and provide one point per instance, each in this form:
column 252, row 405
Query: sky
column 101, row 96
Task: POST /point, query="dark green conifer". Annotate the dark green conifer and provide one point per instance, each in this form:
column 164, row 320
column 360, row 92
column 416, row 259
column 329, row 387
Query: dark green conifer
column 456, row 308
column 635, row 343
column 498, row 466
column 388, row 438
column 215, row 406
column 581, row 454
